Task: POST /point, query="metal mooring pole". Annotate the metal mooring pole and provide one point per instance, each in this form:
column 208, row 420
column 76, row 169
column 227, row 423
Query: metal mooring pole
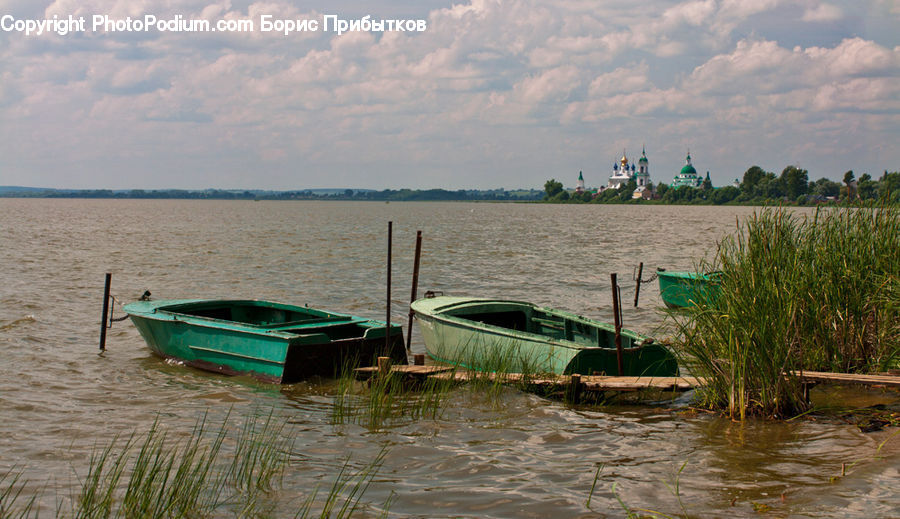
column 618, row 323
column 105, row 315
column 415, row 288
column 637, row 288
column 387, row 336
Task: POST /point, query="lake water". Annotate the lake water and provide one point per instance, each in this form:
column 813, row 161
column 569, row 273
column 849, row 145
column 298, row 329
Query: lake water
column 516, row 455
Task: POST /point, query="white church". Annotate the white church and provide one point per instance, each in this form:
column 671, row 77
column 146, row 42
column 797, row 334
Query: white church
column 624, row 171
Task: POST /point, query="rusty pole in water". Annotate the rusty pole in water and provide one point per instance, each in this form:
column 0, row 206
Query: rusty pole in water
column 105, row 312
column 415, row 288
column 637, row 289
column 618, row 322
column 387, row 336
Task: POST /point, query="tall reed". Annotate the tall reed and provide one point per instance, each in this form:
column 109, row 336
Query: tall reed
column 162, row 477
column 210, row 473
column 819, row 294
column 346, row 492
column 388, row 399
column 13, row 504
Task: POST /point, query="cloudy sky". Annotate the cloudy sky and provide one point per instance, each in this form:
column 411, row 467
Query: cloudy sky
column 494, row 93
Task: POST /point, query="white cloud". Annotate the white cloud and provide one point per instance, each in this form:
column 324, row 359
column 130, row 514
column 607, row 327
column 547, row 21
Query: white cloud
column 486, row 76
column 822, row 13
column 855, row 56
column 620, row 80
column 554, row 84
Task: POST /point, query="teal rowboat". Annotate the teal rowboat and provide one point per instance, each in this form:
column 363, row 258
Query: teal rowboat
column 274, row 342
column 517, row 337
column 684, row 289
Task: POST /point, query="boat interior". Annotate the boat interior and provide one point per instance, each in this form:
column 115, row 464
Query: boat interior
column 529, row 319
column 257, row 313
column 285, row 318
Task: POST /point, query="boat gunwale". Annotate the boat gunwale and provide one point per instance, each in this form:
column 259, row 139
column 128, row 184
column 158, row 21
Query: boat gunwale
column 438, row 315
column 162, row 312
column 709, row 277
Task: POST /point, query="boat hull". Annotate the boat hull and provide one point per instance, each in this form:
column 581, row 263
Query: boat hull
column 685, row 289
column 518, row 337
column 270, row 341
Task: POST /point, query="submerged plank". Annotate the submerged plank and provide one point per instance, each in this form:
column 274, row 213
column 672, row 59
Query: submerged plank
column 613, row 383
column 590, row 383
column 406, row 369
column 849, row 378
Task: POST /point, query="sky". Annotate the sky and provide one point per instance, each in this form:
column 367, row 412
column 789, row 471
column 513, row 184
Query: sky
column 491, row 94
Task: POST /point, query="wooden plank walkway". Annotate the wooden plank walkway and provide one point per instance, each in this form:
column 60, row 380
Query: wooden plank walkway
column 609, row 383
column 589, row 383
column 406, row 369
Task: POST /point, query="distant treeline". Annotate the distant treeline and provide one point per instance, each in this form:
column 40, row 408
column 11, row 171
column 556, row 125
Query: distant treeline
column 308, row 194
column 758, row 187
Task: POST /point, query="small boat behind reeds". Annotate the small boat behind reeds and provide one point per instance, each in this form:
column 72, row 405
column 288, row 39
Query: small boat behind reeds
column 684, row 289
column 516, row 337
column 271, row 341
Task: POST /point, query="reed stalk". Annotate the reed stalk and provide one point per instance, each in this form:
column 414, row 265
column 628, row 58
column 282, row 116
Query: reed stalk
column 224, row 472
column 347, row 490
column 387, row 399
column 197, row 476
column 818, row 294
column 13, row 504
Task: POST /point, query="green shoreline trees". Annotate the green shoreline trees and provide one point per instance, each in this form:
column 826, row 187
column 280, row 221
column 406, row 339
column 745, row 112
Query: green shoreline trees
column 758, row 187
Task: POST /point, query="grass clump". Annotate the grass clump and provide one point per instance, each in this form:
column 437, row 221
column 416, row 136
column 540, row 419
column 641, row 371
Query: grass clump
column 13, row 504
column 345, row 495
column 820, row 293
column 205, row 473
column 224, row 472
column 388, row 399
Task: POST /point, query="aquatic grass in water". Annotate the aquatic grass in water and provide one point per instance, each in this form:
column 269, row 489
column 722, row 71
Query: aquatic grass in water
column 502, row 365
column 204, row 475
column 387, row 399
column 349, row 485
column 13, row 504
column 815, row 294
column 160, row 477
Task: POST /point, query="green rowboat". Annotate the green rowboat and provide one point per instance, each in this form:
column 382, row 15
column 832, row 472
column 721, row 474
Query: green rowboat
column 684, row 289
column 517, row 337
column 271, row 341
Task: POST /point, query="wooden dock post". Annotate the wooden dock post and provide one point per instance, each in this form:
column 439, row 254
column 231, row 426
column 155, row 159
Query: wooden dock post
column 415, row 288
column 384, row 366
column 105, row 315
column 573, row 392
column 618, row 322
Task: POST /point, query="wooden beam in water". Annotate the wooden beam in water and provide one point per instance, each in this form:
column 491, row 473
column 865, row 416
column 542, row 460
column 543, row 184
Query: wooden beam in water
column 610, row 383
column 850, row 378
column 587, row 382
column 410, row 370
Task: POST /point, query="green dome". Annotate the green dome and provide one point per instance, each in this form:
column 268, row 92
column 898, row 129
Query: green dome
column 688, row 170
column 643, row 159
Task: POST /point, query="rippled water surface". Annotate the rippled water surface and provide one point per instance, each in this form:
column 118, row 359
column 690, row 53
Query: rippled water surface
column 512, row 455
